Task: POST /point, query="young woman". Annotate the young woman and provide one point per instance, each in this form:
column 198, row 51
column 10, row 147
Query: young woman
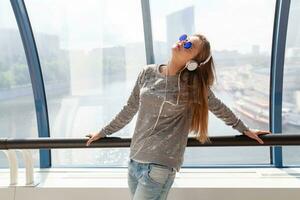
column 172, row 100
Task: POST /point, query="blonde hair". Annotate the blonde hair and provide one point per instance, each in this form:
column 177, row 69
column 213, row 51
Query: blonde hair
column 198, row 82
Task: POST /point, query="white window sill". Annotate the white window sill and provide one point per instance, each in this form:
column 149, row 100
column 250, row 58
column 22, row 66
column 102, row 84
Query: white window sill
column 270, row 183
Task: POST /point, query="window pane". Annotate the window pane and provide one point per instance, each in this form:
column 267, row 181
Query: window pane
column 17, row 110
column 91, row 52
column 241, row 47
column 291, row 85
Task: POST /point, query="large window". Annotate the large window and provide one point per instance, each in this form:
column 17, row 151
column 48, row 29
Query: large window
column 17, row 111
column 291, row 85
column 90, row 52
column 240, row 33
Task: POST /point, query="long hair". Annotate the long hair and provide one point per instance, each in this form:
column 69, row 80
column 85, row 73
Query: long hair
column 198, row 82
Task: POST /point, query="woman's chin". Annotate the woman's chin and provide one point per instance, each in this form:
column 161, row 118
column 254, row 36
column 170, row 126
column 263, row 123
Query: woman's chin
column 175, row 50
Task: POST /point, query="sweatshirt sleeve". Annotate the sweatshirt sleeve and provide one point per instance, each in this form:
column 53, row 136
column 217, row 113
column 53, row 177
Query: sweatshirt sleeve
column 220, row 110
column 128, row 111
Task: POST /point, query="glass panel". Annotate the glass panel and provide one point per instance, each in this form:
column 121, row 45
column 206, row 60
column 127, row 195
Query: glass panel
column 91, row 53
column 241, row 46
column 291, row 85
column 17, row 110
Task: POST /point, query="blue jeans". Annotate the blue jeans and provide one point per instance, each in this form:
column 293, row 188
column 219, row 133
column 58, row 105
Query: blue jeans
column 149, row 180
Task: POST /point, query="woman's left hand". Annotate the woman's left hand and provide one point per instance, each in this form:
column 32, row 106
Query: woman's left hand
column 253, row 133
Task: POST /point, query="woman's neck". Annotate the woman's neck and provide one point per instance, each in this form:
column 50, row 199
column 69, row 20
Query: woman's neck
column 172, row 68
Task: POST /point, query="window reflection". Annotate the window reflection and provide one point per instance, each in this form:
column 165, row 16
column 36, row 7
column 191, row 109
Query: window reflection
column 291, row 82
column 17, row 109
column 241, row 47
column 91, row 52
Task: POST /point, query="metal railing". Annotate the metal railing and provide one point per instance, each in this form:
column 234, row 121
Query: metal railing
column 10, row 146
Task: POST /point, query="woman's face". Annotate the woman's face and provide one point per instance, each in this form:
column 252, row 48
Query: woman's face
column 184, row 55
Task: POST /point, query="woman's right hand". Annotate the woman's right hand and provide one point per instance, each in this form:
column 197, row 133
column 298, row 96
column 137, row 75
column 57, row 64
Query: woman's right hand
column 93, row 137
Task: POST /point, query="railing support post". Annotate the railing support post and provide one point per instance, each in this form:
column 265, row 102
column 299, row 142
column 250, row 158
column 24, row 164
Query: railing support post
column 13, row 165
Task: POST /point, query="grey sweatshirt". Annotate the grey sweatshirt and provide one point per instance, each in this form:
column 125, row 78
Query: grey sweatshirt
column 167, row 142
